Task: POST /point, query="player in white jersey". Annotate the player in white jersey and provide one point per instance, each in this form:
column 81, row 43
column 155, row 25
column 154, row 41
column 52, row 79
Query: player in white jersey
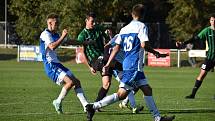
column 118, row 74
column 131, row 38
column 49, row 41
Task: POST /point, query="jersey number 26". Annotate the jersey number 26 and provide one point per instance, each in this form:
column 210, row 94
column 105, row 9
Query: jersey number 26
column 128, row 43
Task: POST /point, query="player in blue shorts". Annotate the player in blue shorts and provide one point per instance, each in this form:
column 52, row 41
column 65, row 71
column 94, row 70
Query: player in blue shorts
column 49, row 41
column 131, row 38
column 118, row 74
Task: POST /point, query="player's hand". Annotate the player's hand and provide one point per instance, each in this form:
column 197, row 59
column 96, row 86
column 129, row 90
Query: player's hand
column 92, row 71
column 64, row 33
column 158, row 55
column 164, row 55
column 179, row 45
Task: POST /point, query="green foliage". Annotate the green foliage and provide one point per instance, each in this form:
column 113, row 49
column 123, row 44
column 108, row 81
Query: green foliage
column 184, row 19
column 189, row 16
column 32, row 13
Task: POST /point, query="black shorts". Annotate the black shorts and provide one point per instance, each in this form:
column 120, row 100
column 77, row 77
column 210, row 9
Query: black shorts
column 208, row 65
column 99, row 63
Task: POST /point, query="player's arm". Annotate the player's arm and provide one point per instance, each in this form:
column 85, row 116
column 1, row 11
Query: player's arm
column 86, row 63
column 154, row 52
column 55, row 44
column 111, row 58
column 191, row 40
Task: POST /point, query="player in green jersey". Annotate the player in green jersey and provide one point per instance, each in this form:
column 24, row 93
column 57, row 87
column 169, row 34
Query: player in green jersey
column 93, row 38
column 207, row 34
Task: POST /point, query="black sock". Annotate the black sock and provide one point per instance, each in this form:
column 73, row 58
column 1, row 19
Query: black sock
column 196, row 87
column 102, row 93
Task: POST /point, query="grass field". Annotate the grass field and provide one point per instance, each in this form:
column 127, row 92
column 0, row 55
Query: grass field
column 26, row 94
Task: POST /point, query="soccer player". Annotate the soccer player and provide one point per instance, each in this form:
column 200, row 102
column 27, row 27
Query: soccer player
column 93, row 39
column 131, row 38
column 49, row 41
column 118, row 74
column 206, row 35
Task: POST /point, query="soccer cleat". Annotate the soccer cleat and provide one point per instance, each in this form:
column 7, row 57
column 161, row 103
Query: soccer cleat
column 123, row 105
column 167, row 118
column 190, row 97
column 58, row 107
column 90, row 112
column 137, row 109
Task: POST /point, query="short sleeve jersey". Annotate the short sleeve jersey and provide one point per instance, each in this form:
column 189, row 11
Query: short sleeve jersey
column 208, row 35
column 97, row 37
column 46, row 38
column 130, row 39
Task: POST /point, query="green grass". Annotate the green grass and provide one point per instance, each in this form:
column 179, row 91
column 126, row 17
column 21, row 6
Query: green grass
column 26, row 94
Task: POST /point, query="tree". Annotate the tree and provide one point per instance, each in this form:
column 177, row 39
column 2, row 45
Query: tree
column 188, row 17
column 31, row 14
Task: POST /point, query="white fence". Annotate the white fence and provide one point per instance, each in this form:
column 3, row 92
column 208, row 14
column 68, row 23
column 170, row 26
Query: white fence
column 194, row 53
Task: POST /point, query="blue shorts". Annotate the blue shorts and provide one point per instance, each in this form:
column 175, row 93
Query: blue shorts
column 132, row 79
column 57, row 72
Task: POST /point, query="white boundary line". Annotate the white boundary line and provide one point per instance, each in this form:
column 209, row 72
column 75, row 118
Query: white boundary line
column 81, row 112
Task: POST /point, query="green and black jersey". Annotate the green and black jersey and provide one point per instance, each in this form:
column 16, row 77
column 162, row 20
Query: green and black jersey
column 93, row 41
column 208, row 35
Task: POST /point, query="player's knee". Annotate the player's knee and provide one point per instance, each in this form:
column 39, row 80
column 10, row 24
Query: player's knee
column 121, row 96
column 77, row 83
column 106, row 84
column 69, row 84
column 147, row 90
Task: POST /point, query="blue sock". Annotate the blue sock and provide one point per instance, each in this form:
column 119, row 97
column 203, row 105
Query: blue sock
column 151, row 105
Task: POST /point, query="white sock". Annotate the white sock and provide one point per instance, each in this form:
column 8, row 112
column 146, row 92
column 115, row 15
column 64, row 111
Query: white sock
column 106, row 101
column 157, row 118
column 152, row 106
column 81, row 97
column 131, row 99
column 62, row 95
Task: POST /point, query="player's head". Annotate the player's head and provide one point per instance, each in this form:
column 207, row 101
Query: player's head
column 52, row 21
column 138, row 11
column 90, row 20
column 212, row 20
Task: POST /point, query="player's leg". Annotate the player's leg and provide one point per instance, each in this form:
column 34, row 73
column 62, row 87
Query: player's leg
column 121, row 94
column 206, row 66
column 106, row 78
column 142, row 83
column 106, row 82
column 68, row 80
column 147, row 90
column 79, row 91
column 197, row 84
column 56, row 73
column 131, row 99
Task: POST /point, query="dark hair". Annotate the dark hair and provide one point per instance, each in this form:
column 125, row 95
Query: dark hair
column 52, row 15
column 212, row 15
column 91, row 14
column 138, row 10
